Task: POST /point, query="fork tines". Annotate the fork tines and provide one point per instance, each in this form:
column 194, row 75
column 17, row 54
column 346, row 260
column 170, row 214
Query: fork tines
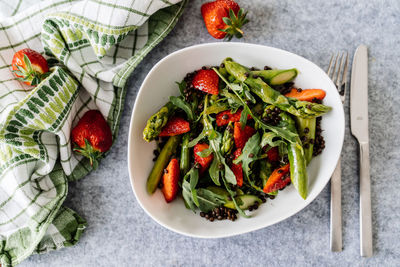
column 337, row 71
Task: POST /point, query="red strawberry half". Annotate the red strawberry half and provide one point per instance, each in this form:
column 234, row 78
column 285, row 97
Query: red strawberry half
column 170, row 180
column 204, row 162
column 92, row 136
column 242, row 135
column 237, row 168
column 175, row 126
column 225, row 117
column 29, row 66
column 278, row 179
column 206, row 81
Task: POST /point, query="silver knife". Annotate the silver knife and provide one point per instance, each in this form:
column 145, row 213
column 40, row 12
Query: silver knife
column 359, row 128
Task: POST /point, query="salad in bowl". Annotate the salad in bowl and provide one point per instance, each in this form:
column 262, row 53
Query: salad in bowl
column 234, row 138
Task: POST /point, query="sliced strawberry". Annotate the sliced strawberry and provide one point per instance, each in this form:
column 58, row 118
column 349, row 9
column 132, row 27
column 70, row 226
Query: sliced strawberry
column 278, row 179
column 175, row 126
column 204, row 162
column 273, row 154
column 170, row 180
column 206, row 81
column 242, row 135
column 237, row 168
column 224, row 117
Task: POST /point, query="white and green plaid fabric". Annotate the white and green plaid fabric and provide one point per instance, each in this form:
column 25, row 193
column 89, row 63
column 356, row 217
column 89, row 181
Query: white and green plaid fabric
column 92, row 47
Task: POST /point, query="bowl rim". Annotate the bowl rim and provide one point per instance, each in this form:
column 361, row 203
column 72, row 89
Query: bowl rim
column 130, row 141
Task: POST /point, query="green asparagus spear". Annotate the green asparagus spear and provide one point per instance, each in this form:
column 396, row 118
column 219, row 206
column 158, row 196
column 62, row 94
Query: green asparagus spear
column 185, row 155
column 270, row 96
column 276, row 77
column 157, row 121
column 227, row 140
column 161, row 162
column 306, row 129
column 297, row 160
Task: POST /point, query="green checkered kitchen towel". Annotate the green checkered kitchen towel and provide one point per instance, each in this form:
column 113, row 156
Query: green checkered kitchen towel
column 92, row 46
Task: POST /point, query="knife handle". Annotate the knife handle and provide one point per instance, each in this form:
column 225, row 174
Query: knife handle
column 365, row 203
column 336, row 209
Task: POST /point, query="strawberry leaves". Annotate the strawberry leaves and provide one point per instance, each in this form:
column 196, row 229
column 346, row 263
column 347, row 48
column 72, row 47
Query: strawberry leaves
column 234, row 23
column 28, row 74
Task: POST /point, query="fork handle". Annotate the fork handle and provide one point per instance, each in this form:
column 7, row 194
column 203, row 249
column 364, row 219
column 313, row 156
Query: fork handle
column 365, row 203
column 336, row 209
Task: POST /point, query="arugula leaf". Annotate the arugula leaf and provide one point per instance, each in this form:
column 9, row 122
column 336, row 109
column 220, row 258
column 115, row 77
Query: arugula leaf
column 182, row 86
column 214, row 171
column 233, row 195
column 215, row 145
column 209, row 200
column 243, row 118
column 232, row 99
column 253, row 147
column 216, row 108
column 204, row 153
column 248, row 94
column 268, row 139
column 183, row 105
column 204, row 199
column 187, row 195
column 194, row 178
column 198, row 138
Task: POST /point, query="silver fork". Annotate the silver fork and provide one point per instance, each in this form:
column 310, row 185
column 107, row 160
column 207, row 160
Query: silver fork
column 339, row 78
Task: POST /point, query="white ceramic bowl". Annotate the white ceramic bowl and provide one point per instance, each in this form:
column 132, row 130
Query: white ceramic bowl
column 154, row 93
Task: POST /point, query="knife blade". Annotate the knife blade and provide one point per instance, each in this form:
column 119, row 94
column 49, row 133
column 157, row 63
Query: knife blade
column 359, row 129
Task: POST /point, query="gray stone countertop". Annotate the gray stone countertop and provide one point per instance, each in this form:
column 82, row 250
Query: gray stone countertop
column 119, row 232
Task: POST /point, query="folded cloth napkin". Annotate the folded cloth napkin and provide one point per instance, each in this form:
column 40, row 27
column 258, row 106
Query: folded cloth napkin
column 92, row 47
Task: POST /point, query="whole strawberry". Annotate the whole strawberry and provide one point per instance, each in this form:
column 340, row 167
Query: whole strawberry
column 92, row 136
column 29, row 66
column 223, row 19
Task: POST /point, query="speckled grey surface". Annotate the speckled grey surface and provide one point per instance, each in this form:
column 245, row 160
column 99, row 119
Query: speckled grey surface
column 119, row 232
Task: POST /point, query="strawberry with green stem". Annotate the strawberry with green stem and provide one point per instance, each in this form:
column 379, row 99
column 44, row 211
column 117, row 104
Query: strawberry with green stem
column 92, row 136
column 29, row 66
column 224, row 19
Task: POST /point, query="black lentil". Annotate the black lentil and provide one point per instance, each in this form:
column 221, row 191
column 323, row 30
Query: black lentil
column 220, row 213
column 319, row 142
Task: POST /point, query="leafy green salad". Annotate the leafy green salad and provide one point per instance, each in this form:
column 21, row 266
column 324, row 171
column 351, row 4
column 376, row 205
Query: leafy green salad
column 233, row 138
